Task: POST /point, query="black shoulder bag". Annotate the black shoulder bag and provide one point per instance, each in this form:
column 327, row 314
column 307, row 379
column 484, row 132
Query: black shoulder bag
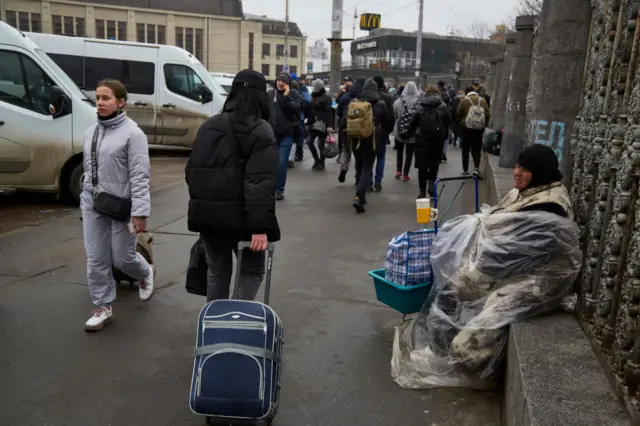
column 110, row 205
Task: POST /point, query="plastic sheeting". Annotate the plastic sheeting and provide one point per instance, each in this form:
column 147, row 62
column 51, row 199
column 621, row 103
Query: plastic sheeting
column 490, row 270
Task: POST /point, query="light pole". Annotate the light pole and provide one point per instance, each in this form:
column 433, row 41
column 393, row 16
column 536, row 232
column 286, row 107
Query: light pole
column 286, row 37
column 419, row 44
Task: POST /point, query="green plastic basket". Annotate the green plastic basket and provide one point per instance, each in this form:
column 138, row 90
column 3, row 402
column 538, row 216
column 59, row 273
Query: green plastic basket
column 404, row 299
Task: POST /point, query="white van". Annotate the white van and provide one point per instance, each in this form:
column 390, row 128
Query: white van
column 43, row 118
column 224, row 79
column 170, row 92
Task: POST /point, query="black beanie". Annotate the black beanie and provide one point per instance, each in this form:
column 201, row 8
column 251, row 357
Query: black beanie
column 542, row 162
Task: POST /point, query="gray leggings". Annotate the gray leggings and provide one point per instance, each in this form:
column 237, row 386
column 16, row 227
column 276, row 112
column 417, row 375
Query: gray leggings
column 219, row 249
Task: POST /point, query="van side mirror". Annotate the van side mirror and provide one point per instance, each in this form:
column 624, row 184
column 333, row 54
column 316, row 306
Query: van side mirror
column 59, row 102
column 205, row 94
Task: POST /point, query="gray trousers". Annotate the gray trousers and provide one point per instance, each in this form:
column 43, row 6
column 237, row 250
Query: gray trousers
column 219, row 251
column 108, row 244
column 345, row 159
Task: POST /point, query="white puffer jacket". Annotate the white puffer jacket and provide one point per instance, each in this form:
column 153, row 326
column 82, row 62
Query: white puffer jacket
column 123, row 163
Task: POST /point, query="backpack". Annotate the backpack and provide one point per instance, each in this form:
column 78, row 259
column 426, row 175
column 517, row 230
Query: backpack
column 405, row 119
column 359, row 119
column 476, row 118
column 430, row 124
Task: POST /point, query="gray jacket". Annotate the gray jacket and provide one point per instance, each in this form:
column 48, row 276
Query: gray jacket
column 123, row 163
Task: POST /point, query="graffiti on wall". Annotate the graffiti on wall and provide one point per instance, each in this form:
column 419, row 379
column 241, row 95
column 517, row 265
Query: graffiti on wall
column 549, row 133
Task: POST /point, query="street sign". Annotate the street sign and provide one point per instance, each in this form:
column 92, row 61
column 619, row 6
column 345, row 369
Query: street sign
column 369, row 21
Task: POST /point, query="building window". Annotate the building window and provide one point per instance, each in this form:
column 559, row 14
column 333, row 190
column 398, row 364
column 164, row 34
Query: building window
column 190, row 39
column 265, row 70
column 279, row 49
column 68, row 26
column 151, row 33
column 266, row 49
column 140, row 33
column 100, row 28
column 114, row 30
column 198, row 45
column 111, row 30
column 25, row 21
column 180, row 37
column 80, row 27
column 293, row 69
column 161, row 37
column 122, row 30
column 294, row 52
column 279, row 69
column 250, row 51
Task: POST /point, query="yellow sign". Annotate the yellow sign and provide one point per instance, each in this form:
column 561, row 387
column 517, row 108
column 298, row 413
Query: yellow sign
column 369, row 21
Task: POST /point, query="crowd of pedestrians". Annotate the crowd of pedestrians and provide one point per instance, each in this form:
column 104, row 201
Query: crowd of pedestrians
column 240, row 160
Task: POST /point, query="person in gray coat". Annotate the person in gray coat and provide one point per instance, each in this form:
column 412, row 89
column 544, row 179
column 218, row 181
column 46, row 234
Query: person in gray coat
column 119, row 149
column 403, row 109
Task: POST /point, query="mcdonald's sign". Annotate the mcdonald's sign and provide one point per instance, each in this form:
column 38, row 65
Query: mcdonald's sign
column 369, row 21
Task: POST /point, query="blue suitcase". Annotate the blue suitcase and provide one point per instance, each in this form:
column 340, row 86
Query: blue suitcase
column 236, row 372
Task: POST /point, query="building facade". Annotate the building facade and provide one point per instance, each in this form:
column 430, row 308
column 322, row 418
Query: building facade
column 215, row 31
column 395, row 50
column 318, row 57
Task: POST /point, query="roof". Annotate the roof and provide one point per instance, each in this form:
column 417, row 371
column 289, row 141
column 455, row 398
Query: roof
column 381, row 32
column 271, row 26
column 229, row 8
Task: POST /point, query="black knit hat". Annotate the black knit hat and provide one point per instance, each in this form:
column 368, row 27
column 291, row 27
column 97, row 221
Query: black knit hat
column 250, row 78
column 283, row 76
column 542, row 162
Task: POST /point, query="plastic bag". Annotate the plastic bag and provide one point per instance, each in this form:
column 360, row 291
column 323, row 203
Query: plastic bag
column 407, row 262
column 330, row 149
column 490, row 270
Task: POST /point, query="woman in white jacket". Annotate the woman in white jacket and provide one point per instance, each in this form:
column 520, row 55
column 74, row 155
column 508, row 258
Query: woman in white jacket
column 115, row 201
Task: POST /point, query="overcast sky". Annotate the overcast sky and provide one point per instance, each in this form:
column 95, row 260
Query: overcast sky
column 440, row 16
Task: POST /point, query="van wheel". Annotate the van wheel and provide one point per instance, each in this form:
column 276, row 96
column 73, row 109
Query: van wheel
column 74, row 185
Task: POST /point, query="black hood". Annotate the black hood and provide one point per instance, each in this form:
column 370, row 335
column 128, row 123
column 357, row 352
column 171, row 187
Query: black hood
column 369, row 95
column 319, row 93
column 355, row 90
column 431, row 100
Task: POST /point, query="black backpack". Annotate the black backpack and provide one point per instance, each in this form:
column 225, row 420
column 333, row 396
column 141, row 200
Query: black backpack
column 430, row 124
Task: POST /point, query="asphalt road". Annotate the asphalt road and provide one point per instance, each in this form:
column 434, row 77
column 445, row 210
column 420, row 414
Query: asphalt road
column 137, row 370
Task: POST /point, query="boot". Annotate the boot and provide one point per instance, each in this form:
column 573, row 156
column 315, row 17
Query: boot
column 358, row 204
column 431, row 187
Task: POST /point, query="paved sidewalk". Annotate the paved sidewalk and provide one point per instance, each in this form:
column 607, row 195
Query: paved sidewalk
column 137, row 370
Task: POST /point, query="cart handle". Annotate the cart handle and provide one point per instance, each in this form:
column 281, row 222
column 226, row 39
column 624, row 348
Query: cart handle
column 455, row 178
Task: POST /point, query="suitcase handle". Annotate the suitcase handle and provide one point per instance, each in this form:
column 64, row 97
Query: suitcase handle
column 242, row 245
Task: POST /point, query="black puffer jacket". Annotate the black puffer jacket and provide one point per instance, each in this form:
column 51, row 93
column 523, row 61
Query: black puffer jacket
column 230, row 195
column 321, row 108
column 429, row 143
column 388, row 100
column 285, row 111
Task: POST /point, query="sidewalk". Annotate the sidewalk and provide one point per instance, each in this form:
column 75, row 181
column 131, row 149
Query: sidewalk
column 137, row 370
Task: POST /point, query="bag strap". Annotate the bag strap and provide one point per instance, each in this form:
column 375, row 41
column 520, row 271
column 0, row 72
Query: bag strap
column 94, row 157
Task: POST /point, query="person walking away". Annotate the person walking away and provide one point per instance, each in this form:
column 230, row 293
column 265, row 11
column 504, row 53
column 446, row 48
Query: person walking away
column 474, row 115
column 456, row 127
column 403, row 112
column 285, row 114
column 344, row 89
column 428, row 125
column 387, row 129
column 320, row 120
column 479, row 89
column 446, row 98
column 300, row 134
column 365, row 116
column 115, row 201
column 231, row 174
column 354, row 92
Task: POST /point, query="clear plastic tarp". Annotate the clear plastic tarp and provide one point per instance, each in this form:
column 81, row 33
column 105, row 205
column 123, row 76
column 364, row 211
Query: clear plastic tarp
column 490, row 271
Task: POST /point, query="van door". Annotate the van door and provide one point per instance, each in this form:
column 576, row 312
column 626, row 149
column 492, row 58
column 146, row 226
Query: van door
column 33, row 145
column 135, row 67
column 182, row 110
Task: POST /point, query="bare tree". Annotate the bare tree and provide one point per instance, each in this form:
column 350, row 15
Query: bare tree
column 472, row 49
column 529, row 7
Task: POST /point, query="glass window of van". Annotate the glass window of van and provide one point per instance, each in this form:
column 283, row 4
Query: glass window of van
column 138, row 77
column 182, row 81
column 23, row 83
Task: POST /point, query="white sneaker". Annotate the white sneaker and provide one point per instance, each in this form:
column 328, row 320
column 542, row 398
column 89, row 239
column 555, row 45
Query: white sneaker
column 145, row 287
column 100, row 317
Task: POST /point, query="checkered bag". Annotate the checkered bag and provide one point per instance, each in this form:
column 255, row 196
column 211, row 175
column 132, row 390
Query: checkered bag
column 408, row 258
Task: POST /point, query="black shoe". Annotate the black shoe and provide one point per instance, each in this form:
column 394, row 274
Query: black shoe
column 444, row 158
column 298, row 158
column 292, row 165
column 358, row 204
column 422, row 194
column 370, row 189
column 315, row 166
column 465, row 173
column 377, row 187
column 279, row 196
column 321, row 167
column 342, row 176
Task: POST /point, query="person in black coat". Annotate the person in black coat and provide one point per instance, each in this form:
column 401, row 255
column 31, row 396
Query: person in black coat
column 428, row 126
column 231, row 174
column 364, row 150
column 387, row 129
column 345, row 148
column 319, row 121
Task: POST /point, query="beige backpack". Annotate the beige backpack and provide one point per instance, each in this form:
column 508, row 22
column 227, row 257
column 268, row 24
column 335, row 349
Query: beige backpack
column 359, row 119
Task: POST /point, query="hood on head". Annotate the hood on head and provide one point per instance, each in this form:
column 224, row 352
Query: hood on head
column 411, row 89
column 431, row 99
column 379, row 81
column 294, row 77
column 370, row 91
column 317, row 85
column 370, row 85
column 360, row 81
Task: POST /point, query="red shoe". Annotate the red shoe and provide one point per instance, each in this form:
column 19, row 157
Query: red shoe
column 398, row 175
column 406, row 178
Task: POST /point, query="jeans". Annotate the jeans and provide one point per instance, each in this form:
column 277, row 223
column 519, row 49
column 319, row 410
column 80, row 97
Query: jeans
column 364, row 172
column 399, row 158
column 284, row 146
column 219, row 249
column 316, row 153
column 345, row 159
column 381, row 156
column 471, row 141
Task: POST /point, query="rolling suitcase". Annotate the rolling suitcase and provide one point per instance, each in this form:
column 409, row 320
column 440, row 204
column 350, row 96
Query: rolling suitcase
column 236, row 371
